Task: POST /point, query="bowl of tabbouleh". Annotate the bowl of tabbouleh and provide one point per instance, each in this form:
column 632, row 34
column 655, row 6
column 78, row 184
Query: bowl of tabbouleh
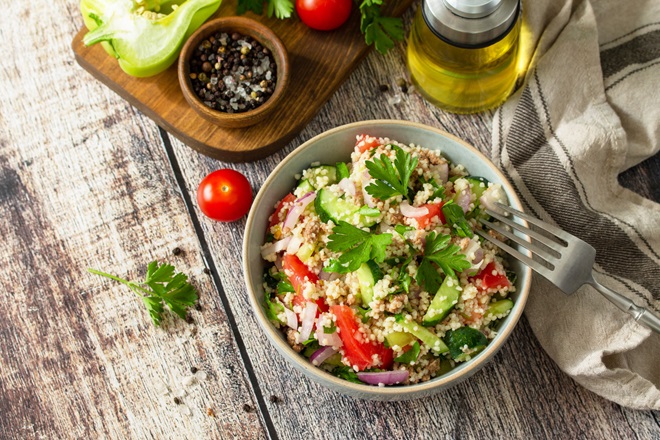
column 363, row 266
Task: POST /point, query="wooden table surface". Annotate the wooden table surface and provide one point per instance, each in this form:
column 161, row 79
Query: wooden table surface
column 88, row 181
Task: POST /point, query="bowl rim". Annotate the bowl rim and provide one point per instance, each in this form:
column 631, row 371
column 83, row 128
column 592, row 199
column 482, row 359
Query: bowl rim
column 354, row 389
column 269, row 39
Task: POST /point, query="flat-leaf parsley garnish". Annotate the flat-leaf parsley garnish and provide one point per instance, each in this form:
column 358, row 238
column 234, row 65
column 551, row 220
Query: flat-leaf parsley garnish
column 456, row 219
column 358, row 247
column 161, row 286
column 391, row 179
column 446, row 256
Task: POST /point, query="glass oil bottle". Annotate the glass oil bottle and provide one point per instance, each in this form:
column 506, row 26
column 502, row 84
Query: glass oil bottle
column 463, row 54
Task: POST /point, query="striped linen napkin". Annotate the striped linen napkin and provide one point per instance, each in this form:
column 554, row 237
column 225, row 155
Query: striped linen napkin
column 589, row 109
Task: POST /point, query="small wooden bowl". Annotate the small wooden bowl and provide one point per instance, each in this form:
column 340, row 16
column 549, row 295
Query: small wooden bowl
column 247, row 27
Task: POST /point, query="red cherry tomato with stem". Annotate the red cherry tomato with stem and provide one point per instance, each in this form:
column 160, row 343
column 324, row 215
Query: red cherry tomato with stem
column 224, row 195
column 324, row 15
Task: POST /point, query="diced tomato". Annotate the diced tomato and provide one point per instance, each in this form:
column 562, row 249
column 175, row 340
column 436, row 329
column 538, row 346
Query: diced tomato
column 490, row 280
column 358, row 351
column 365, row 142
column 275, row 218
column 435, row 209
column 299, row 272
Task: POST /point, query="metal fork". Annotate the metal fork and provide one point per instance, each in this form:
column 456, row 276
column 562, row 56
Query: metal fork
column 567, row 261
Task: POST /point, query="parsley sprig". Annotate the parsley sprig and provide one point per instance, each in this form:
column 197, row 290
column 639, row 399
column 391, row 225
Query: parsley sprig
column 391, row 179
column 161, row 286
column 438, row 251
column 378, row 30
column 358, row 247
column 280, row 8
column 456, row 219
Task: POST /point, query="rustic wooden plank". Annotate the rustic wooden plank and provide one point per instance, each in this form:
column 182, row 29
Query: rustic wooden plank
column 320, row 62
column 84, row 181
column 521, row 394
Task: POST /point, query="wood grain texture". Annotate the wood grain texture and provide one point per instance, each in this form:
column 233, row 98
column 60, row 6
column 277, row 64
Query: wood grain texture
column 84, row 182
column 87, row 180
column 320, row 62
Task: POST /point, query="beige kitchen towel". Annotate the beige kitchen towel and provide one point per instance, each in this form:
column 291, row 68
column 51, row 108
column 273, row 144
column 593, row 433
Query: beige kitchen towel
column 589, row 108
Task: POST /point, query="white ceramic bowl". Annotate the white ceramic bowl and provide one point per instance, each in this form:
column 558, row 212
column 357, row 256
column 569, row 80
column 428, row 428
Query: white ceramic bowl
column 336, row 145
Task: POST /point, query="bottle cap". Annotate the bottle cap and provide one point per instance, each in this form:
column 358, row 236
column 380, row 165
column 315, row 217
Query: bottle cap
column 470, row 23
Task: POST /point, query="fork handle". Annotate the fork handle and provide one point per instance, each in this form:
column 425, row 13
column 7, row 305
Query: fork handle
column 640, row 314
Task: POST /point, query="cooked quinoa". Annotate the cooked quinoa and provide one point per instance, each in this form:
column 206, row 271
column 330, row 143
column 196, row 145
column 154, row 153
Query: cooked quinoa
column 372, row 272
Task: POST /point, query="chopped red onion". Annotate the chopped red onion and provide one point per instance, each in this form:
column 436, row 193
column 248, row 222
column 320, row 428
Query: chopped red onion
column 328, row 276
column 463, row 199
column 493, row 194
column 328, row 339
column 297, row 209
column 347, row 185
column 291, row 318
column 308, row 316
column 294, row 244
column 443, row 172
column 383, row 377
column 412, row 211
column 321, row 355
column 275, row 247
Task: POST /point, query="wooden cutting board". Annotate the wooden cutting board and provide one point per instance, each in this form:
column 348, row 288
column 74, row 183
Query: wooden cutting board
column 320, row 62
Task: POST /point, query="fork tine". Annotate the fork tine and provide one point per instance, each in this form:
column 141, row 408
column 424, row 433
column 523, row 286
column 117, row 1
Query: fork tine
column 524, row 243
column 538, row 267
column 550, row 243
column 540, row 223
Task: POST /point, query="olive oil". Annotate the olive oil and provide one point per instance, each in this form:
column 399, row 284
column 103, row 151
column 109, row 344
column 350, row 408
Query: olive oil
column 461, row 65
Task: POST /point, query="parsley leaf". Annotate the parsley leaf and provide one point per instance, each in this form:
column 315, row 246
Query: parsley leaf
column 410, row 355
column 358, row 247
column 378, row 30
column 256, row 6
column 272, row 309
column 391, row 179
column 446, row 256
column 280, row 8
column 346, row 373
column 456, row 219
column 162, row 286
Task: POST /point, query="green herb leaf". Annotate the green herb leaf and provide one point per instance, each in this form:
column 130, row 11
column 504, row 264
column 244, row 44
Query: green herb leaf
column 378, row 30
column 358, row 247
column 456, row 219
column 256, row 6
column 410, row 355
column 162, row 286
column 280, row 8
column 391, row 179
column 446, row 256
column 272, row 309
column 330, row 330
column 402, row 229
column 346, row 373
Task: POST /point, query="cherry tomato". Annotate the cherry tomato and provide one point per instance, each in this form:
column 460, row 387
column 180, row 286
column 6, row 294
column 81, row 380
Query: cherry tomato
column 224, row 195
column 324, row 15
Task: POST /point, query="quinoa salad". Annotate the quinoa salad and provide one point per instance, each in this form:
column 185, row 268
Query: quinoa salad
column 374, row 271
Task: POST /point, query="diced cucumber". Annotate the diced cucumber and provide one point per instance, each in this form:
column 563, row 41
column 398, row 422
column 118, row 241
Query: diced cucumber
column 478, row 184
column 400, row 339
column 423, row 334
column 329, row 206
column 443, row 301
column 306, row 251
column 498, row 308
column 342, row 171
column 456, row 340
column 322, row 176
column 368, row 273
column 304, row 187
